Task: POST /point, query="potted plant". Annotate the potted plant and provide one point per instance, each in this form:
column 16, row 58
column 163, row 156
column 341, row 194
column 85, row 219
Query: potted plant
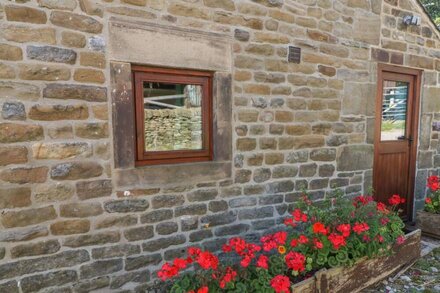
column 428, row 220
column 321, row 244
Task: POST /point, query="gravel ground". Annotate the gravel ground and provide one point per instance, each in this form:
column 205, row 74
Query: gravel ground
column 423, row 276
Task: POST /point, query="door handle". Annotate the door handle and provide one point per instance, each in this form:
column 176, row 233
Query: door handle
column 410, row 139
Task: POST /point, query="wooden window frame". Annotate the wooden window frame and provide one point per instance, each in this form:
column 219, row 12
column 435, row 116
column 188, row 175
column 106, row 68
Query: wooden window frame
column 178, row 76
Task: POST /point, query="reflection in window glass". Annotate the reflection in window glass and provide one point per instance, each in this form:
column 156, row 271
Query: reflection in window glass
column 173, row 116
column 394, row 105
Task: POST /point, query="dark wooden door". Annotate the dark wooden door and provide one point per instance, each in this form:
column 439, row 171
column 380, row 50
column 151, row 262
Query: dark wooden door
column 396, row 135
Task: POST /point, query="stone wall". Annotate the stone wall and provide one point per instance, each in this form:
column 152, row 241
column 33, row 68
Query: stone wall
column 72, row 221
column 173, row 129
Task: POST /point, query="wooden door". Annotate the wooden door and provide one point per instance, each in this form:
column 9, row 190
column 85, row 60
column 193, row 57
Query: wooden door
column 397, row 108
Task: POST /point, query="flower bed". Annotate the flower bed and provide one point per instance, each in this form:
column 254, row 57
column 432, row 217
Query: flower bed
column 322, row 244
column 429, row 219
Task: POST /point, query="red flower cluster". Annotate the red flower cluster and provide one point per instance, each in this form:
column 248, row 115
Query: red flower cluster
column 200, row 290
column 295, row 261
column 360, row 227
column 170, row 270
column 381, row 207
column 319, row 228
column 299, row 216
column 337, row 240
column 242, row 248
column 428, row 200
column 281, row 284
column 396, row 200
column 228, row 277
column 362, row 200
column 262, row 262
column 433, row 183
column 344, row 229
column 273, row 241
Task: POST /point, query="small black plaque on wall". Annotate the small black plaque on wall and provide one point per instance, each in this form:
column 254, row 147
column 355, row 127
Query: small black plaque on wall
column 294, row 55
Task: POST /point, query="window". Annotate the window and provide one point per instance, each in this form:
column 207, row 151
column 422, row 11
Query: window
column 173, row 115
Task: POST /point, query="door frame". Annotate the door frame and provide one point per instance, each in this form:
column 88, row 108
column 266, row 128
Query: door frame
column 415, row 116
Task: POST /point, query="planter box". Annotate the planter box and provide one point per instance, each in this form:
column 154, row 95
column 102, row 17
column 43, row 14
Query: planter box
column 365, row 272
column 429, row 223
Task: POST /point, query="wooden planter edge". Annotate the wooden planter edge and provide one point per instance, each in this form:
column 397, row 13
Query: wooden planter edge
column 429, row 223
column 365, row 272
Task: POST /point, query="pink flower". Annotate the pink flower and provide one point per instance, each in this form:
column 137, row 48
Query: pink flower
column 400, row 240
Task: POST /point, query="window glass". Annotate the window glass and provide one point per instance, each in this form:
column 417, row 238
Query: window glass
column 394, row 108
column 173, row 116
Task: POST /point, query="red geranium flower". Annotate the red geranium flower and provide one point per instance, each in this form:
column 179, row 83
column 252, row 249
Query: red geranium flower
column 281, row 284
column 428, row 200
column 295, row 261
column 337, row 240
column 318, row 244
column 360, row 227
column 319, row 228
column 303, row 239
column 228, row 277
column 433, row 182
column 396, row 199
column 400, row 240
column 203, row 290
column 344, row 229
column 381, row 207
column 362, row 200
column 262, row 262
column 207, row 260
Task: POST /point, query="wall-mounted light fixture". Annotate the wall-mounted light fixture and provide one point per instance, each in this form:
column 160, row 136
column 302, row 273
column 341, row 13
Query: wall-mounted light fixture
column 412, row 20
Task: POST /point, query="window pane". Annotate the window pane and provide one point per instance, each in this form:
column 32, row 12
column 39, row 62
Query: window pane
column 173, row 116
column 394, row 105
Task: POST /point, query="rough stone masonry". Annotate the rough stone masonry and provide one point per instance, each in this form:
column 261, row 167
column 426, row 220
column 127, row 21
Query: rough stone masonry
column 72, row 220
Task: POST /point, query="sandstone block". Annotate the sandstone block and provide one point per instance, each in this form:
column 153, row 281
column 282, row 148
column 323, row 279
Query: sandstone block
column 117, row 221
column 246, row 144
column 101, row 268
column 241, row 35
column 91, row 7
column 43, row 72
column 76, row 22
column 74, row 40
column 11, row 53
column 92, row 130
column 58, row 4
column 58, row 112
column 13, row 155
column 189, row 11
column 15, row 197
column 76, row 170
column 308, row 170
column 242, row 176
column 60, row 150
column 38, row 282
column 53, row 192
column 167, row 201
column 19, row 90
column 23, row 175
column 24, row 34
column 202, row 195
column 309, row 141
column 355, row 157
column 92, row 189
column 23, row 234
column 25, row 14
column 51, row 54
column 59, row 260
column 139, row 233
column 76, row 92
column 191, row 210
column 223, row 4
column 89, row 75
column 420, row 62
column 166, row 228
column 126, row 206
column 156, row 216
column 323, row 155
column 285, row 171
column 27, row 217
column 133, row 263
column 70, row 227
column 80, row 210
column 93, row 59
column 38, row 248
column 115, row 251
column 6, row 71
column 92, row 239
